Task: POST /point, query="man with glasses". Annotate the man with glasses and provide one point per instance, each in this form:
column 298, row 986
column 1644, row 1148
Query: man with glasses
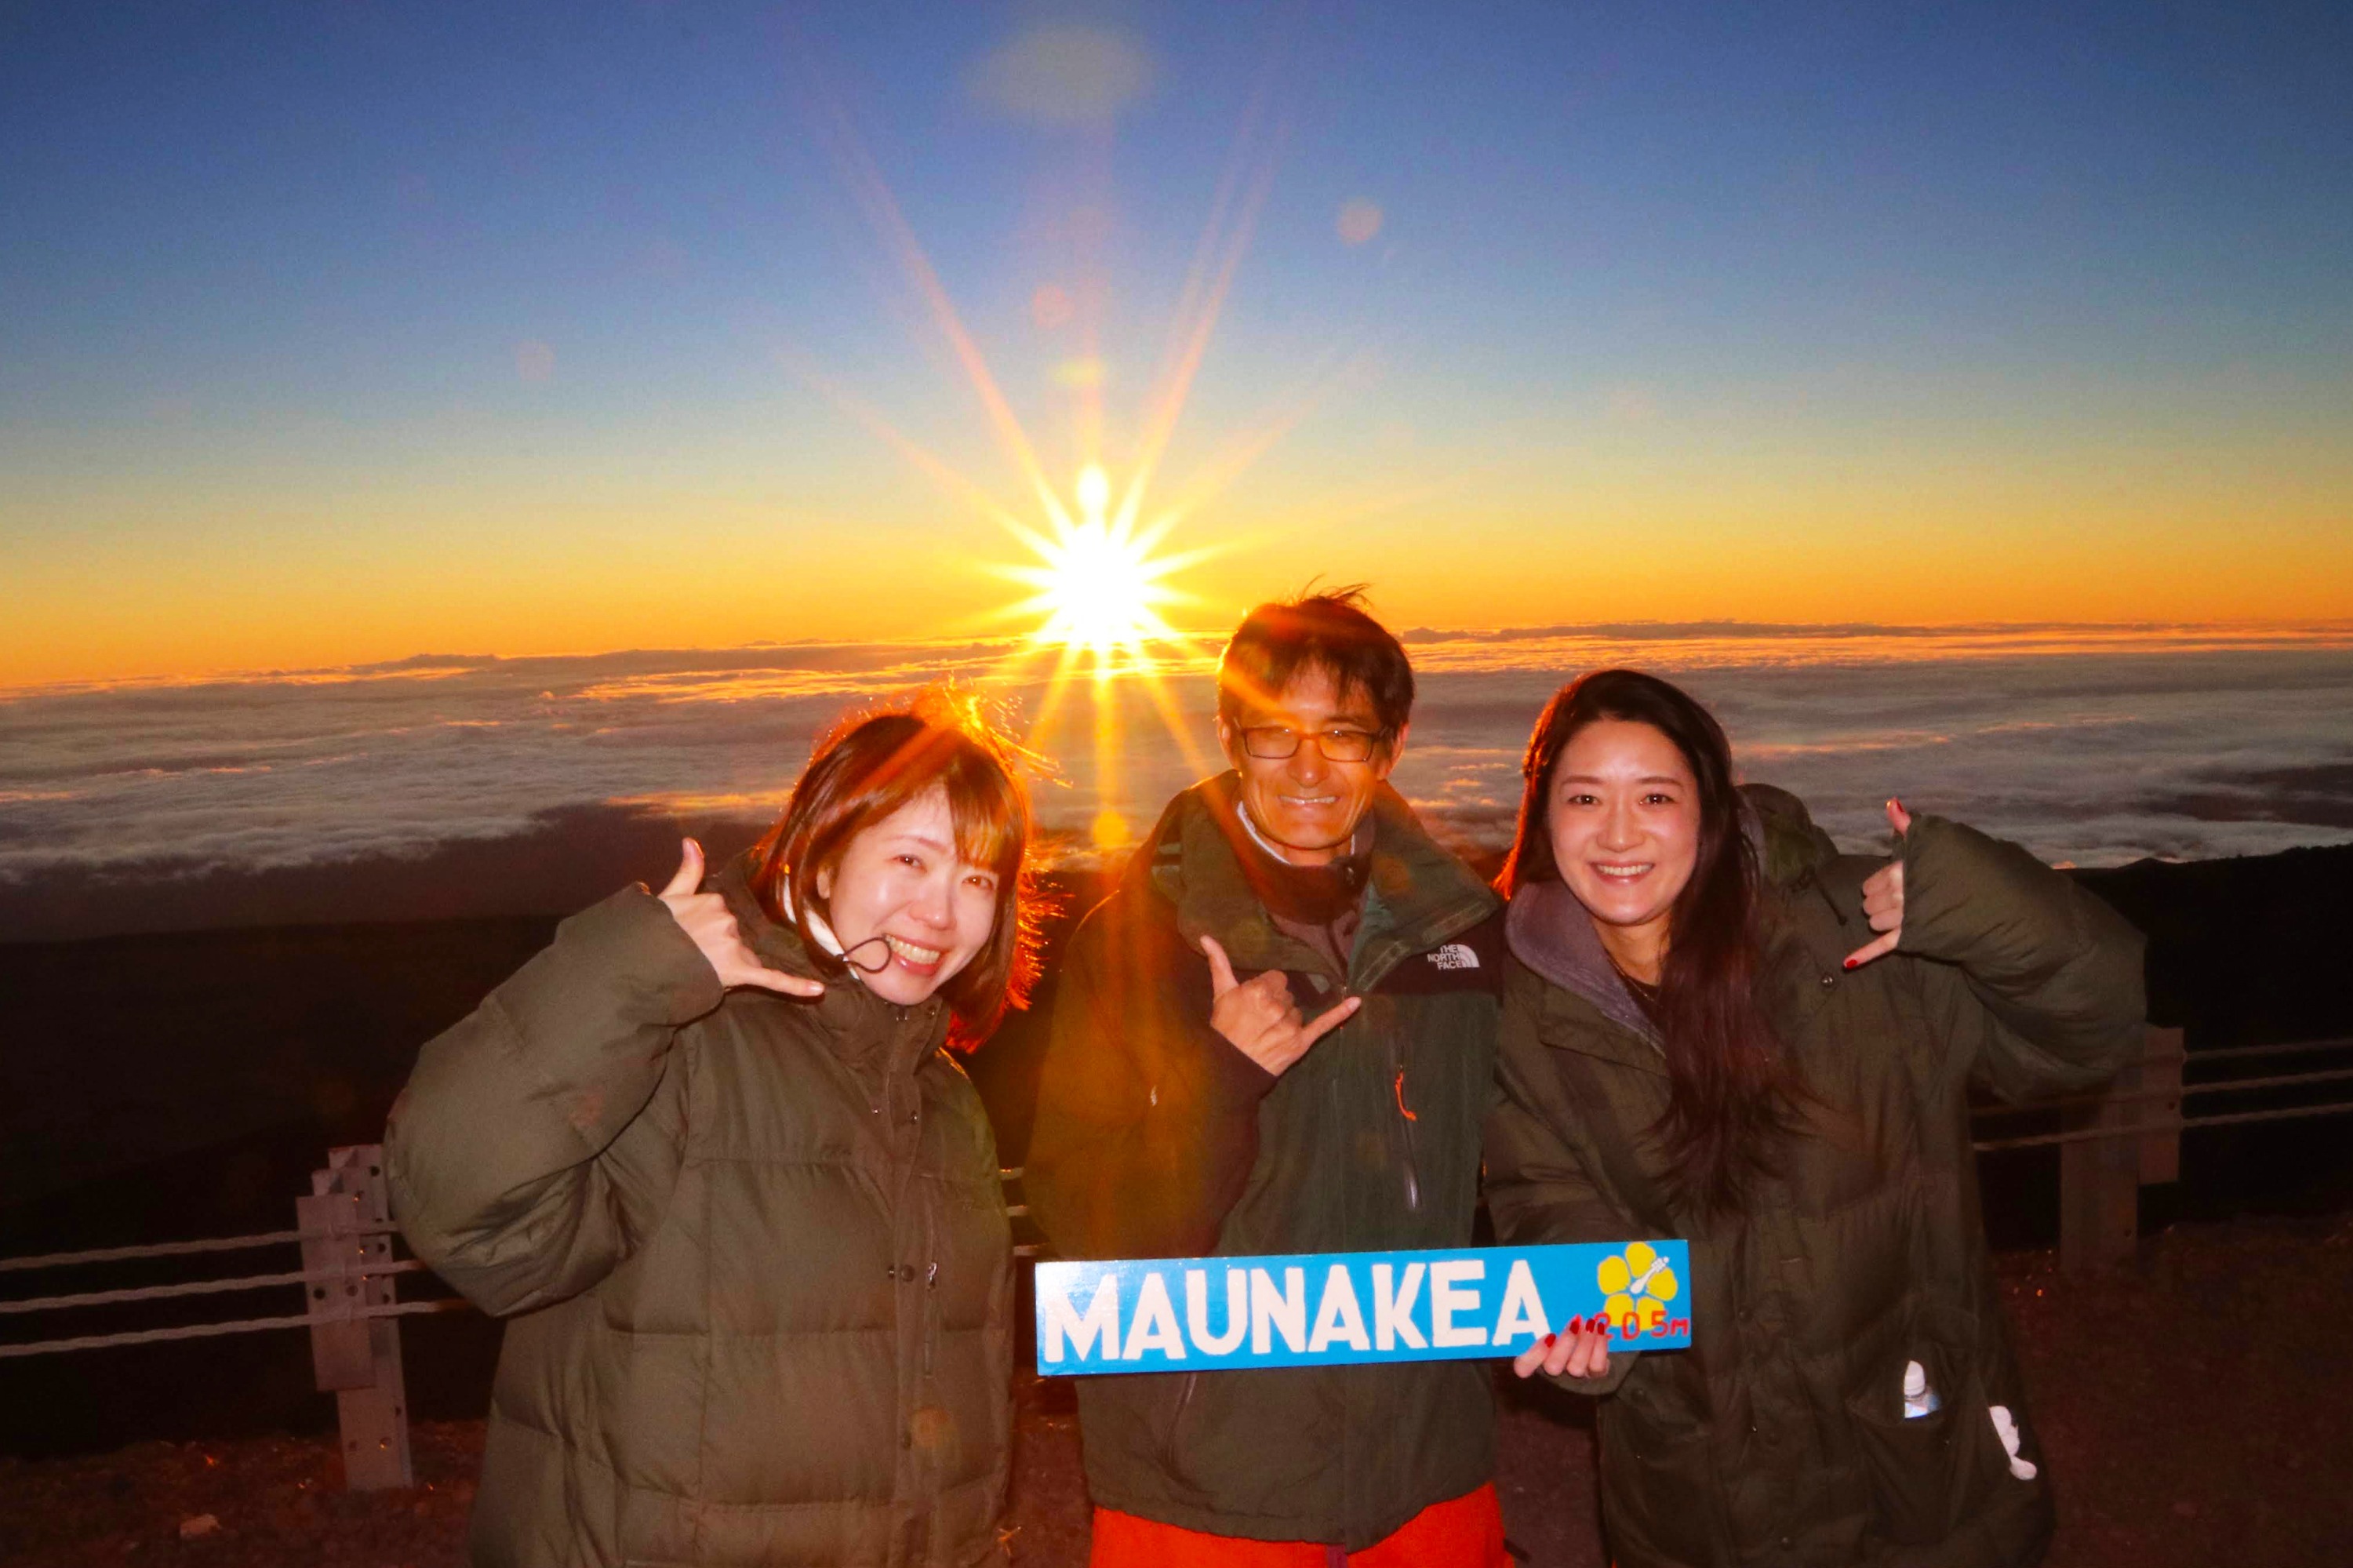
column 1278, row 1036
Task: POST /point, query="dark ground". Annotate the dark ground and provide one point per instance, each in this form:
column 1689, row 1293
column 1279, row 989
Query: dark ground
column 160, row 1087
column 2196, row 1407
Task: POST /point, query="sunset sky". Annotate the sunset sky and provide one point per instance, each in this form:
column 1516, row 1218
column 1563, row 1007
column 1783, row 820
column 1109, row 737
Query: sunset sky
column 338, row 333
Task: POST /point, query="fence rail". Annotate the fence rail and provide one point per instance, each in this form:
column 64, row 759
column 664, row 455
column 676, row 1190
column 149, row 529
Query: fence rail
column 2127, row 1136
column 2112, row 1143
column 161, row 1249
column 348, row 1280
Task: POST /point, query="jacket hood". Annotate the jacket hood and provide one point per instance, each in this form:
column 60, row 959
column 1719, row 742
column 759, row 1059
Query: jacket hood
column 1789, row 844
column 860, row 1023
column 1549, row 931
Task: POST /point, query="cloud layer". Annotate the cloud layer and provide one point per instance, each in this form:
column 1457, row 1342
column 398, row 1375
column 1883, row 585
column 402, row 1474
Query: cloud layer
column 2091, row 749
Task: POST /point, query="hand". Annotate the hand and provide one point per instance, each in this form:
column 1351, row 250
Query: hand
column 1585, row 1354
column 1260, row 1019
column 705, row 918
column 1883, row 896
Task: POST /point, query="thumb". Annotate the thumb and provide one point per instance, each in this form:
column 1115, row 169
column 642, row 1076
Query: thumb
column 689, row 876
column 1222, row 973
column 1332, row 1020
column 1898, row 818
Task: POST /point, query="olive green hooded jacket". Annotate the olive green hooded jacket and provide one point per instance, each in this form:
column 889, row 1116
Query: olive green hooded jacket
column 1779, row 1436
column 1156, row 1139
column 751, row 1247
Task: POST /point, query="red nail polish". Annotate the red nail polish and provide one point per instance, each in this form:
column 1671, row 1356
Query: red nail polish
column 1850, row 963
column 1549, row 1339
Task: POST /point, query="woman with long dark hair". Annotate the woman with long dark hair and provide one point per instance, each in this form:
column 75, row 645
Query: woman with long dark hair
column 1718, row 1028
column 709, row 1157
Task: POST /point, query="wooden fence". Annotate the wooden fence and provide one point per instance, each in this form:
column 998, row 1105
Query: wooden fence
column 2111, row 1144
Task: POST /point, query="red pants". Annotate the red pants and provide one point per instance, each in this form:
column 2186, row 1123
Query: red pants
column 1464, row 1532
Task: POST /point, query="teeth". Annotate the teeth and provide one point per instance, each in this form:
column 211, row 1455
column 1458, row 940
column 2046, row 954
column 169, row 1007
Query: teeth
column 911, row 953
column 1309, row 799
column 1621, row 870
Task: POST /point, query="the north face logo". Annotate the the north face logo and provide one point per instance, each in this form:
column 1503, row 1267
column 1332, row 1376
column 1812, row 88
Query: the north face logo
column 1453, row 956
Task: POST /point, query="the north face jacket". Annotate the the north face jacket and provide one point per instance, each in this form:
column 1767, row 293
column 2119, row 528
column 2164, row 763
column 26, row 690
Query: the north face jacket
column 751, row 1250
column 1781, row 1436
column 1156, row 1137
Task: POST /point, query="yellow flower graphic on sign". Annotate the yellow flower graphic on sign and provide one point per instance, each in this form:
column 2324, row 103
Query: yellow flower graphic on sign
column 1639, row 1285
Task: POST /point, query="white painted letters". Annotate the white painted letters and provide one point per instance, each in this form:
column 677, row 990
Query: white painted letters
column 1102, row 1320
column 1393, row 1313
column 1446, row 1299
column 1286, row 1310
column 1524, row 1310
column 1155, row 1324
column 1197, row 1310
column 1339, row 1317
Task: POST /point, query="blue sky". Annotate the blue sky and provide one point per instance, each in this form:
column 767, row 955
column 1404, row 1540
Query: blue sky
column 454, row 279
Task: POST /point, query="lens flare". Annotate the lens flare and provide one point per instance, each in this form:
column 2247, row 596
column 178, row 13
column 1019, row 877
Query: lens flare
column 1099, row 586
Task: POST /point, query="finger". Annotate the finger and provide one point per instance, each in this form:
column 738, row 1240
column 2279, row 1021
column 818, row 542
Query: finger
column 1592, row 1353
column 1898, row 818
column 1528, row 1361
column 1273, row 984
column 689, row 876
column 1557, row 1356
column 1870, row 950
column 776, row 979
column 1332, row 1020
column 1222, row 973
column 1248, row 1012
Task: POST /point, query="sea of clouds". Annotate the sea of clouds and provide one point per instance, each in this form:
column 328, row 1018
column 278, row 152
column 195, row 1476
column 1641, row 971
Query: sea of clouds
column 460, row 785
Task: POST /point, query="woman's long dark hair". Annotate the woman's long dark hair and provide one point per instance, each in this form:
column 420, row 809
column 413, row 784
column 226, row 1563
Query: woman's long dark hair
column 1730, row 1092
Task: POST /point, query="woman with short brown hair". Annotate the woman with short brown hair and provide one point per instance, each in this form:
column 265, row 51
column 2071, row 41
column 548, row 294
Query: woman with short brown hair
column 709, row 1157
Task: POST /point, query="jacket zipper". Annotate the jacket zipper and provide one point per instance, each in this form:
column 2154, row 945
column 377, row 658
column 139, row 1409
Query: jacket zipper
column 1177, row 1419
column 1405, row 1120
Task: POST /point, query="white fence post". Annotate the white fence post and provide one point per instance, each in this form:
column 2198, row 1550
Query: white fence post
column 358, row 1359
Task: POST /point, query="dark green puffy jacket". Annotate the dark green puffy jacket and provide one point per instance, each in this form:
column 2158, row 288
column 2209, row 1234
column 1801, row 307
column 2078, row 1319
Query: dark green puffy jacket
column 1780, row 1437
column 1156, row 1139
column 752, row 1249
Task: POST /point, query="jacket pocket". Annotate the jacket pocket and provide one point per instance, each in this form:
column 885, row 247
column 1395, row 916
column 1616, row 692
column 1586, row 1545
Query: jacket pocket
column 1926, row 1474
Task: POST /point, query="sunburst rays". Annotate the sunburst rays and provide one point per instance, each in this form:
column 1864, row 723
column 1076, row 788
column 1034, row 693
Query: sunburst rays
column 1101, row 579
column 1101, row 587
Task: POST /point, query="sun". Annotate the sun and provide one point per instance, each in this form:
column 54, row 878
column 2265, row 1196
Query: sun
column 1099, row 586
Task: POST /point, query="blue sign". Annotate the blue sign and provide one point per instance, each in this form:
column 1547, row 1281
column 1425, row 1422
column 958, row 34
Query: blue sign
column 1177, row 1314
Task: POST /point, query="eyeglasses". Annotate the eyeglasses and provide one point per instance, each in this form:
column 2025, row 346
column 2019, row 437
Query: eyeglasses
column 1273, row 742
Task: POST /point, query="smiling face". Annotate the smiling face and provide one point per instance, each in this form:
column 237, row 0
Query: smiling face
column 1624, row 819
column 901, row 879
column 1306, row 804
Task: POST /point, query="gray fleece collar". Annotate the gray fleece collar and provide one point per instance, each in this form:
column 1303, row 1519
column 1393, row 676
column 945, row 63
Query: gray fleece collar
column 1549, row 931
